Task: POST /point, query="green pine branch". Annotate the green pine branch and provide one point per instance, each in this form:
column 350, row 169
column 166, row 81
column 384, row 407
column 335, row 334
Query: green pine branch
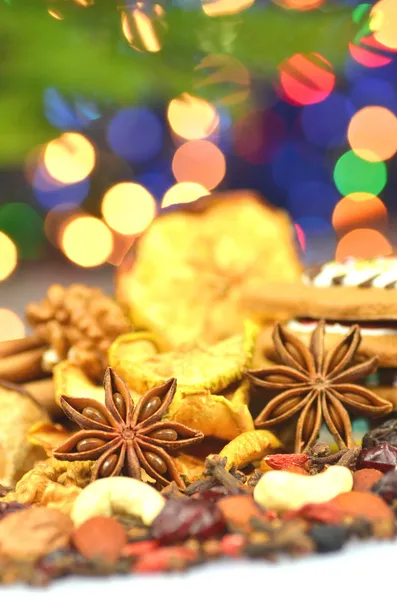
column 87, row 54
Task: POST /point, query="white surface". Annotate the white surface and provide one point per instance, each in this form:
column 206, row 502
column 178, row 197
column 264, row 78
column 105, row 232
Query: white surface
column 363, row 570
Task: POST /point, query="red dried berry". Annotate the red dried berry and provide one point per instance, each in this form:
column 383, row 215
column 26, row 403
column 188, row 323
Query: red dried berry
column 386, row 487
column 213, row 494
column 382, row 457
column 232, row 544
column 324, row 512
column 173, row 558
column 283, row 461
column 139, row 548
column 181, row 519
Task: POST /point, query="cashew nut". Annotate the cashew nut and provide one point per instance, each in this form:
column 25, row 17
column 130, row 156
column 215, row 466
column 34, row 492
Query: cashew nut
column 117, row 495
column 281, row 490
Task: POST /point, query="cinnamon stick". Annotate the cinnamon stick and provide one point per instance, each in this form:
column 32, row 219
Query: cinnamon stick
column 24, row 366
column 12, row 347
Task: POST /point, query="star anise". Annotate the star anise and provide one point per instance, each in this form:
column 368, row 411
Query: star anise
column 318, row 385
column 123, row 438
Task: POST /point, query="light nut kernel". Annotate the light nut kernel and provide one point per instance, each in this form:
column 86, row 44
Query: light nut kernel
column 282, row 490
column 118, row 496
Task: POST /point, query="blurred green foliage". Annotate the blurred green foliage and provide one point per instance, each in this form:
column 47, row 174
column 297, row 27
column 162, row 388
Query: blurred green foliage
column 86, row 53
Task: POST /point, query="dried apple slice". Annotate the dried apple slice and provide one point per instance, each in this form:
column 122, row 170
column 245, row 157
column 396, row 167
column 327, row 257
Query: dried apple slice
column 185, row 277
column 19, row 411
column 249, row 447
column 198, row 368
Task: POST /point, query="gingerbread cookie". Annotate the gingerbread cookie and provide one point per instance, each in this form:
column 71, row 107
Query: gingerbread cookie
column 362, row 292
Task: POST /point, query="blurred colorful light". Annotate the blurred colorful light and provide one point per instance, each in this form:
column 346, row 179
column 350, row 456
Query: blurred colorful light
column 69, row 158
column 192, row 118
column 300, row 234
column 300, row 4
column 216, row 8
column 8, row 256
column 226, row 77
column 258, row 135
column 66, row 115
column 353, row 174
column 135, row 134
column 325, row 124
column 359, row 211
column 11, row 326
column 371, row 91
column 370, row 53
column 312, row 198
column 128, row 208
column 199, row 161
column 141, row 29
column 372, row 133
column 184, row 193
column 50, row 192
column 297, row 163
column 87, row 241
column 56, row 220
column 306, row 78
column 384, row 23
column 363, row 243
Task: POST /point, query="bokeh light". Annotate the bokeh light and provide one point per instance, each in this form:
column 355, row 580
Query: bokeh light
column 384, row 23
column 56, row 220
column 69, row 158
column 135, row 134
column 306, row 78
column 199, row 161
column 370, row 53
column 11, row 326
column 325, row 124
column 297, row 163
column 66, row 115
column 224, row 77
column 353, row 174
column 8, row 256
column 258, row 135
column 87, row 241
column 312, row 198
column 184, row 193
column 25, row 227
column 141, row 29
column 319, row 239
column 371, row 91
column 300, row 4
column 50, row 192
column 359, row 211
column 192, row 118
column 372, row 133
column 300, row 234
column 128, row 208
column 216, row 8
column 363, row 243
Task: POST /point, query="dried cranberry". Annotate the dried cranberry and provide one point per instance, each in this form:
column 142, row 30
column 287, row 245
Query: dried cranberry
column 385, row 432
column 214, row 493
column 6, row 508
column 181, row 519
column 386, row 487
column 382, row 457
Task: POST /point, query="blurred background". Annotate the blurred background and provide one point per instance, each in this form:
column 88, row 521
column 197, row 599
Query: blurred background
column 111, row 112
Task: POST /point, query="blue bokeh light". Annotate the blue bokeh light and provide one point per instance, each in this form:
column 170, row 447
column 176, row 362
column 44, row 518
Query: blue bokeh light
column 135, row 134
column 50, row 193
column 370, row 91
column 297, row 163
column 315, row 198
column 67, row 116
column 325, row 124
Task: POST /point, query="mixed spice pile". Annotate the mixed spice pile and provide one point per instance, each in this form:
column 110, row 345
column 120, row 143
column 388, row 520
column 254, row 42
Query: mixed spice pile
column 149, row 433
